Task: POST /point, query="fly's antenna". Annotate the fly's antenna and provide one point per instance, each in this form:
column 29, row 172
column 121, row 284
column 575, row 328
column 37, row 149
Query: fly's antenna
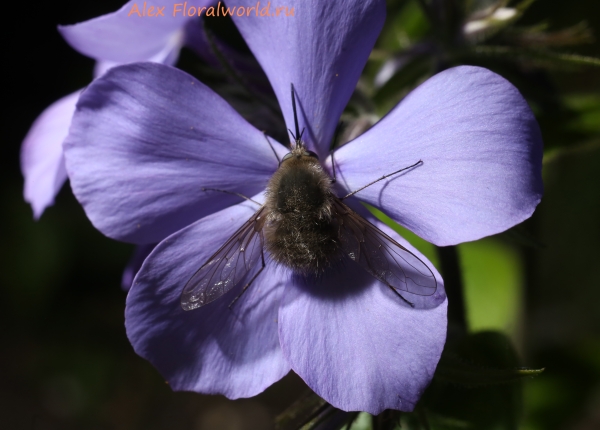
column 298, row 136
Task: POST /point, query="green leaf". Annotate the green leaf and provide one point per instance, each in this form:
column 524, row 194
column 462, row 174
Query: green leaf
column 301, row 412
column 521, row 236
column 493, row 278
column 538, row 36
column 477, row 384
column 361, row 422
column 587, row 109
column 543, row 58
column 455, row 370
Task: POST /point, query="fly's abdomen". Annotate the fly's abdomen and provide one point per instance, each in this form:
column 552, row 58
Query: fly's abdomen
column 299, row 232
column 308, row 245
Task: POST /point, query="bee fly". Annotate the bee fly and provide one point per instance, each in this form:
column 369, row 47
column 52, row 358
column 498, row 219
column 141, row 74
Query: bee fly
column 303, row 225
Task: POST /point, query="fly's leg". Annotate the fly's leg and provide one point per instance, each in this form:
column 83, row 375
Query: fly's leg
column 271, row 145
column 412, row 305
column 335, row 138
column 418, row 163
column 334, row 179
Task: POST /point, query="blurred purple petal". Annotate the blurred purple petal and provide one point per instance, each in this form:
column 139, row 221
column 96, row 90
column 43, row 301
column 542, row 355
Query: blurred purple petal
column 124, row 37
column 322, row 50
column 101, row 67
column 145, row 140
column 42, row 161
column 214, row 349
column 481, row 150
column 135, row 262
column 358, row 345
column 112, row 39
column 168, row 56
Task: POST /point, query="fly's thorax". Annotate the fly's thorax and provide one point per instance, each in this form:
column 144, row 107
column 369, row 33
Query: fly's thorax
column 300, row 232
column 300, row 186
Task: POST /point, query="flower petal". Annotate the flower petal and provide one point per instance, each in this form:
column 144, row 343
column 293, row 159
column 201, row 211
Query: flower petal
column 481, row 150
column 168, row 56
column 359, row 346
column 124, row 36
column 321, row 49
column 213, row 349
column 42, row 161
column 144, row 142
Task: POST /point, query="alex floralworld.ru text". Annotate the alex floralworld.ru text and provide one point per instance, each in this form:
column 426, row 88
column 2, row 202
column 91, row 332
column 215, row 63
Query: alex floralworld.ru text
column 182, row 9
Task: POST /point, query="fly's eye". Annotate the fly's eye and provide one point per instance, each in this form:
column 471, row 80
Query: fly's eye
column 287, row 156
column 312, row 154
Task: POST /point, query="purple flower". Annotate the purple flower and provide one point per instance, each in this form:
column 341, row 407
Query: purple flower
column 115, row 38
column 147, row 138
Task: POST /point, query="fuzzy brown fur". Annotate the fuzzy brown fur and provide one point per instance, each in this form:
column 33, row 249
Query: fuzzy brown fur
column 300, row 231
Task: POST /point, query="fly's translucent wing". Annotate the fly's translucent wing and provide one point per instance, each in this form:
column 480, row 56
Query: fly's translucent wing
column 227, row 267
column 382, row 256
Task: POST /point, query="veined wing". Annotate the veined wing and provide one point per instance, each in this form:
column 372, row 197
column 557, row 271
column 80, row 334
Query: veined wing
column 227, row 267
column 382, row 256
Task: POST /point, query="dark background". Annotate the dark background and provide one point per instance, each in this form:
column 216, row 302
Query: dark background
column 65, row 362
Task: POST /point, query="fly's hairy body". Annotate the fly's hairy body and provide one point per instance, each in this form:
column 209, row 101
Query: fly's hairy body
column 300, row 231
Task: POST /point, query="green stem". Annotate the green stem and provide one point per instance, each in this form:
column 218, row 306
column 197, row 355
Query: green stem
column 453, row 283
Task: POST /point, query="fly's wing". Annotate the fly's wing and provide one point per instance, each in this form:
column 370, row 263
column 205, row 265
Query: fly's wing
column 227, row 267
column 382, row 256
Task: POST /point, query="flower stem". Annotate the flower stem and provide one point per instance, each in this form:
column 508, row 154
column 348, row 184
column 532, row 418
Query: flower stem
column 453, row 284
